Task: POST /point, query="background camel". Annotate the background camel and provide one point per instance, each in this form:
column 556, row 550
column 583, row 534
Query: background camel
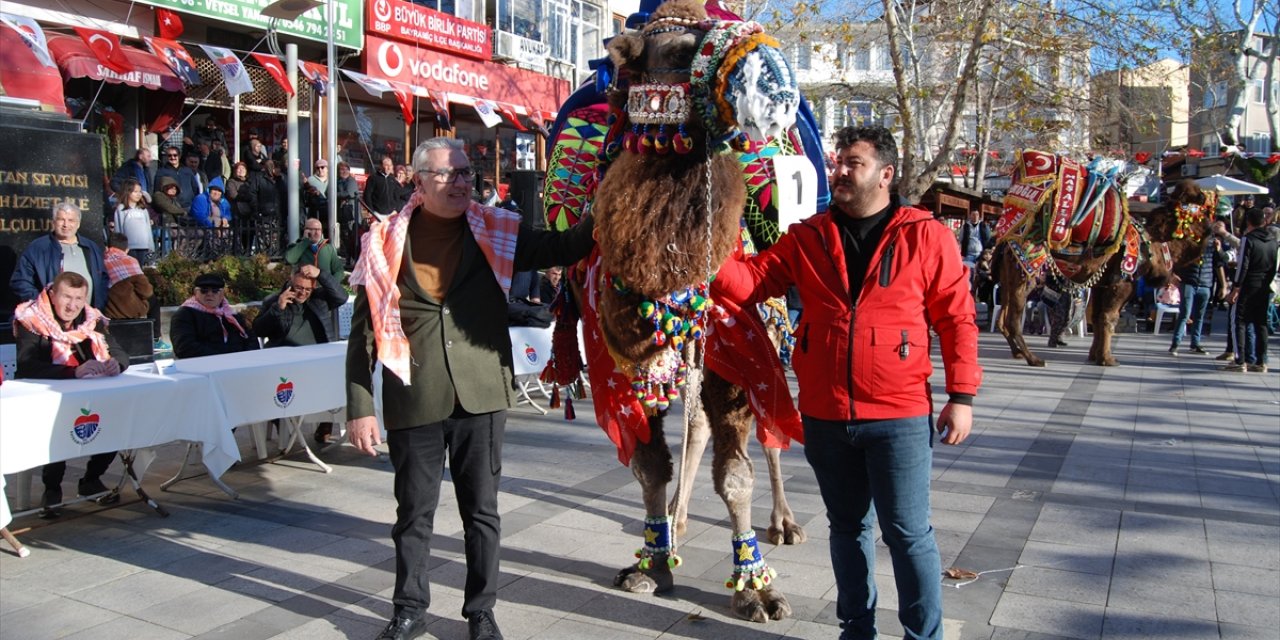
column 1170, row 239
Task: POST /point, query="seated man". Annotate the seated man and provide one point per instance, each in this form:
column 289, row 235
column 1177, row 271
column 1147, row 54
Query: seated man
column 302, row 314
column 60, row 336
column 205, row 324
column 313, row 248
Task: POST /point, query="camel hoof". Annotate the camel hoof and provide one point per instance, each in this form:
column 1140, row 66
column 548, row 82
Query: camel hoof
column 788, row 533
column 656, row 579
column 1035, row 362
column 760, row 605
column 1108, row 362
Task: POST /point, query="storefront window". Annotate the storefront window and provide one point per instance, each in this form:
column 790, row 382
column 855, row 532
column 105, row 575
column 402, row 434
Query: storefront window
column 370, row 133
column 572, row 28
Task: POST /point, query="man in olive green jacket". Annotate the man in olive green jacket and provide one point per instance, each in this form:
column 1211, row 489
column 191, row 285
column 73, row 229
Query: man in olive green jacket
column 445, row 367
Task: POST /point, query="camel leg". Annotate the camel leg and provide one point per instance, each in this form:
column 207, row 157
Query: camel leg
column 1014, row 287
column 1107, row 301
column 1015, row 303
column 651, row 465
column 754, row 597
column 783, row 528
column 699, row 432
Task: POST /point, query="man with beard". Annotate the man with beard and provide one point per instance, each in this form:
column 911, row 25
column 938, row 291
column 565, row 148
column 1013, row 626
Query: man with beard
column 874, row 277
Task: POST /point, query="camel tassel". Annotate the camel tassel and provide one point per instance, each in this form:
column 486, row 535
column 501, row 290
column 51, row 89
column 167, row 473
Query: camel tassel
column 555, row 396
column 568, row 410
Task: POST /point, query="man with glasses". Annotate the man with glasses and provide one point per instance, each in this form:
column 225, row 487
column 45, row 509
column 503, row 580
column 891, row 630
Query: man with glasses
column 170, row 163
column 431, row 308
column 302, row 314
column 312, row 248
column 206, row 325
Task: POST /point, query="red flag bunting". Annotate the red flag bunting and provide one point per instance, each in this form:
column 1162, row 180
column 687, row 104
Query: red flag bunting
column 510, row 115
column 317, row 74
column 440, row 104
column 273, row 67
column 175, row 56
column 168, row 24
column 405, row 100
column 106, row 46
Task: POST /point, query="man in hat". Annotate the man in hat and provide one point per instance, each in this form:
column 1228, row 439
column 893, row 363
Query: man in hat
column 317, row 191
column 60, row 336
column 206, row 325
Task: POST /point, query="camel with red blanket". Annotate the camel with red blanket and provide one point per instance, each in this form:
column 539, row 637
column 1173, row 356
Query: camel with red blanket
column 668, row 196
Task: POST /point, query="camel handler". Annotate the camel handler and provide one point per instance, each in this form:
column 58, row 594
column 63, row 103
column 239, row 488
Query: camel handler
column 874, row 277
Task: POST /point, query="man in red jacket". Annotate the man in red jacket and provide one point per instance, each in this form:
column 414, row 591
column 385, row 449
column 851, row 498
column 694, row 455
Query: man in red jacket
column 874, row 277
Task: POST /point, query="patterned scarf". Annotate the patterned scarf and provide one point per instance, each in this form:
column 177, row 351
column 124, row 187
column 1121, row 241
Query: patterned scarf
column 120, row 266
column 223, row 311
column 38, row 318
column 495, row 230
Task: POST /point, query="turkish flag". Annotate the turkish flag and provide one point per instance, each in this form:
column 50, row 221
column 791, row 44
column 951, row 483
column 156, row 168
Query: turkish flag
column 510, row 115
column 169, row 24
column 273, row 67
column 106, row 46
column 440, row 104
column 405, row 100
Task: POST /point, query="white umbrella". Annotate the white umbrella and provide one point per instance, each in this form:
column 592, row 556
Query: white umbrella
column 1230, row 186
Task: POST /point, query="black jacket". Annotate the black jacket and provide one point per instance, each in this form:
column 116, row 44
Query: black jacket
column 1257, row 260
column 382, row 192
column 195, row 333
column 297, row 324
column 35, row 353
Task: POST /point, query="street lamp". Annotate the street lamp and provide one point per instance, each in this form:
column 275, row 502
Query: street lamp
column 290, row 10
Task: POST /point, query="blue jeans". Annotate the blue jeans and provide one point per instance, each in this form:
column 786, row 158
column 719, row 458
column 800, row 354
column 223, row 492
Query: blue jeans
column 1194, row 301
column 867, row 467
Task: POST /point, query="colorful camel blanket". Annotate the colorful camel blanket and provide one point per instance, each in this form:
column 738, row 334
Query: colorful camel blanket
column 737, row 349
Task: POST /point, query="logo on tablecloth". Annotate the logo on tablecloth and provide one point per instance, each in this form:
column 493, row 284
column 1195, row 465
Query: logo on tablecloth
column 530, row 353
column 86, row 427
column 284, row 393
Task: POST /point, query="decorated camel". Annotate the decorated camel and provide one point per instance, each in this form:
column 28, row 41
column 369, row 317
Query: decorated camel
column 1074, row 220
column 668, row 186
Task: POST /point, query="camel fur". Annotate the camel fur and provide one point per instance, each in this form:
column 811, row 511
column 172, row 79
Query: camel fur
column 663, row 224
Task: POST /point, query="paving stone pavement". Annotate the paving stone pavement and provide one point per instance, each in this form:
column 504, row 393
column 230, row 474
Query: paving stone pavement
column 1139, row 501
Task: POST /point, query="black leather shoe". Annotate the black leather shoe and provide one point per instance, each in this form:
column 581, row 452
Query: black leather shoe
column 482, row 626
column 402, row 628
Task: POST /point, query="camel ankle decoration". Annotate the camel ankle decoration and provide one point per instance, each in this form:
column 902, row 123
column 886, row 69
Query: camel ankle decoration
column 668, row 194
column 1073, row 219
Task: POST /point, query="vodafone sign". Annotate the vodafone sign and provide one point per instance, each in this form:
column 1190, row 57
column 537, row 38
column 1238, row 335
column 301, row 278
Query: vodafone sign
column 419, row 25
column 437, row 71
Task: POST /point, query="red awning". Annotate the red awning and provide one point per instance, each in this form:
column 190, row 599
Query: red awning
column 77, row 61
column 22, row 75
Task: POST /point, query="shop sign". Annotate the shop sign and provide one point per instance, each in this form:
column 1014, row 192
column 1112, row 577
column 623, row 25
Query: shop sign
column 416, row 24
column 438, row 71
column 312, row 25
column 524, row 51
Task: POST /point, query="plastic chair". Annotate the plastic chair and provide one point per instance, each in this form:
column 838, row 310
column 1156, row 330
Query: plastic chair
column 1161, row 311
column 344, row 318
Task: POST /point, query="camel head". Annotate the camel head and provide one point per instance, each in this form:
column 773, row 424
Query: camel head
column 669, row 206
column 1178, row 230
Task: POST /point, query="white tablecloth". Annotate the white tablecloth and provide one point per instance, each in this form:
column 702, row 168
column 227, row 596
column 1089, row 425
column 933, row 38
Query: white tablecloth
column 530, row 349
column 269, row 384
column 44, row 421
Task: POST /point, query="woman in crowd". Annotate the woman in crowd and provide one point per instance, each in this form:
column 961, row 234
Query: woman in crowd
column 133, row 219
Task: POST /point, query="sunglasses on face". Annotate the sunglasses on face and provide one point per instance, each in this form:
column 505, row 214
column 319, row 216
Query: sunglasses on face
column 209, row 290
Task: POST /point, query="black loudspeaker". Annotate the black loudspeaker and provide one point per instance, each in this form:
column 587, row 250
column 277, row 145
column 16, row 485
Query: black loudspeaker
column 526, row 190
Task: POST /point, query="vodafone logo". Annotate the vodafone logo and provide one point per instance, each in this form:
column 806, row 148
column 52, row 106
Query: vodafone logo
column 390, row 59
column 382, row 10
column 392, row 62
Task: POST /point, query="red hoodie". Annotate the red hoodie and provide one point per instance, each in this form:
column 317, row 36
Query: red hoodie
column 872, row 364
